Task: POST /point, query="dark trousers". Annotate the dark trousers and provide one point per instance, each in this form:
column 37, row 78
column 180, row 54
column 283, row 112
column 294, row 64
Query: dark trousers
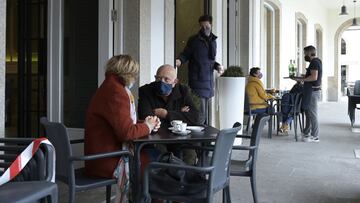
column 204, row 110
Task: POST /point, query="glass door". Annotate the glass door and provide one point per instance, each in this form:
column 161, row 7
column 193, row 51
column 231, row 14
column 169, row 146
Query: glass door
column 80, row 59
column 26, row 62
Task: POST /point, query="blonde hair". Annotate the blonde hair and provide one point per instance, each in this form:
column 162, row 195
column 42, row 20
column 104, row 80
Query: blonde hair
column 123, row 66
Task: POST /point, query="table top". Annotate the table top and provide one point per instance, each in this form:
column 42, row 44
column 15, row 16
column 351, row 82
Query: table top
column 166, row 136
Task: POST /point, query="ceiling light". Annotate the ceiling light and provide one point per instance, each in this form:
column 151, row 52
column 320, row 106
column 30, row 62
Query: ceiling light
column 343, row 9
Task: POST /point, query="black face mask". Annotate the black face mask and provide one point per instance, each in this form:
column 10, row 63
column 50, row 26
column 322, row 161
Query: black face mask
column 307, row 58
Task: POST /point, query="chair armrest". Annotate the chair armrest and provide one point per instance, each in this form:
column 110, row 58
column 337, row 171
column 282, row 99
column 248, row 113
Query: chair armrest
column 243, row 136
column 100, row 156
column 76, row 141
column 20, row 141
column 244, row 147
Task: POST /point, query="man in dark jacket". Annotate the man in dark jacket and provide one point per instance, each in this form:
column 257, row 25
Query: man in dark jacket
column 167, row 99
column 200, row 51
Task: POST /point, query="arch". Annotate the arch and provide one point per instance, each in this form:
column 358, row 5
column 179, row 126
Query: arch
column 333, row 81
column 271, row 41
column 319, row 40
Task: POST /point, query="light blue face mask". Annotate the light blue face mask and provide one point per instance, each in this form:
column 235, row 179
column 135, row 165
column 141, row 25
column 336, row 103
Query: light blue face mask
column 163, row 88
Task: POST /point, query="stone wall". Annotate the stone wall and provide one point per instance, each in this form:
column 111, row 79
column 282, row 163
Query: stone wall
column 2, row 65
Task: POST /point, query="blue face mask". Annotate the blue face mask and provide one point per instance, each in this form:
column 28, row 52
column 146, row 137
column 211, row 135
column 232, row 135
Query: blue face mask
column 163, row 88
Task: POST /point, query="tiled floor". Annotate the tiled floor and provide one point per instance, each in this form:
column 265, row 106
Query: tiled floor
column 289, row 171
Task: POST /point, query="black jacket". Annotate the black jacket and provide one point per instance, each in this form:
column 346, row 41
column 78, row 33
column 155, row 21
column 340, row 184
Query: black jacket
column 179, row 97
column 200, row 51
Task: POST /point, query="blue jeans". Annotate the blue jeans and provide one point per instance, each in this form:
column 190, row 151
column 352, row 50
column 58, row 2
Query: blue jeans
column 259, row 111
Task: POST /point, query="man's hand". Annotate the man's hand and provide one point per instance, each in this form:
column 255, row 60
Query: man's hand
column 160, row 112
column 177, row 63
column 185, row 109
column 220, row 69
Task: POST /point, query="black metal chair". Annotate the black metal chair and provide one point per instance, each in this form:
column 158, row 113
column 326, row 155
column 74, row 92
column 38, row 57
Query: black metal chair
column 270, row 111
column 33, row 183
column 65, row 170
column 217, row 173
column 357, row 87
column 248, row 167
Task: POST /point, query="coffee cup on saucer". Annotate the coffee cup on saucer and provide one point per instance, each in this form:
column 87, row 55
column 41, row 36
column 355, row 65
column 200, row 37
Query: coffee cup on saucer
column 180, row 127
column 175, row 122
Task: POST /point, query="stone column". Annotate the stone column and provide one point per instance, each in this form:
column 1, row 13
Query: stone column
column 2, row 65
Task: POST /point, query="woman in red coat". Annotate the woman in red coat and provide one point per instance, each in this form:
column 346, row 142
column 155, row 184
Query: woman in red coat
column 111, row 117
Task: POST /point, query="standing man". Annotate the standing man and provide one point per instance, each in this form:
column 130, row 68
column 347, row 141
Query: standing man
column 200, row 51
column 311, row 94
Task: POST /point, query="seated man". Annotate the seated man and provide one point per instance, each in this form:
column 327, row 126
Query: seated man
column 167, row 99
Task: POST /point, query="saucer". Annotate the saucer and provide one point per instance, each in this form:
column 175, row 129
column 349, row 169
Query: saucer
column 171, row 128
column 181, row 132
column 195, row 128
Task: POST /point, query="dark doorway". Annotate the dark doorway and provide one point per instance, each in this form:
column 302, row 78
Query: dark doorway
column 26, row 64
column 80, row 75
column 187, row 13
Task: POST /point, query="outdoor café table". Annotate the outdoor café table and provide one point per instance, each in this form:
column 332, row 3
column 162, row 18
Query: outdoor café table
column 165, row 136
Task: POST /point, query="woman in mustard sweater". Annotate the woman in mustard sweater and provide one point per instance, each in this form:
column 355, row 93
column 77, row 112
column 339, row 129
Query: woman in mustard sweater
column 256, row 92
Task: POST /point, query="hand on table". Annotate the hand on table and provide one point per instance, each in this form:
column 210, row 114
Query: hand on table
column 152, row 122
column 158, row 124
column 185, row 109
column 160, row 112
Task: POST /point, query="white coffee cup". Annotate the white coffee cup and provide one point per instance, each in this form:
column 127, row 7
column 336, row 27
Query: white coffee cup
column 180, row 127
column 175, row 122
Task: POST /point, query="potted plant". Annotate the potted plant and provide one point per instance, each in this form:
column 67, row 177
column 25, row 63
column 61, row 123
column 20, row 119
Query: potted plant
column 231, row 93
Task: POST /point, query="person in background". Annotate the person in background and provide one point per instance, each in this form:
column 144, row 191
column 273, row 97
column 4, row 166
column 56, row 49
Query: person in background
column 256, row 92
column 287, row 105
column 311, row 94
column 169, row 100
column 200, row 52
column 111, row 122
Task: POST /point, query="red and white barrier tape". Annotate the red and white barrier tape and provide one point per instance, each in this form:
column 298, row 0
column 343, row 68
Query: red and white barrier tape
column 21, row 161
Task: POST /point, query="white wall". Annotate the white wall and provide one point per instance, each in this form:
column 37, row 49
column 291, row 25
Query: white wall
column 352, row 54
column 315, row 14
column 157, row 35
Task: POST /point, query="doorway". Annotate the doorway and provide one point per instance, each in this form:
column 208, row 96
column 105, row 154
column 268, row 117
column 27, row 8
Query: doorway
column 187, row 13
column 26, row 67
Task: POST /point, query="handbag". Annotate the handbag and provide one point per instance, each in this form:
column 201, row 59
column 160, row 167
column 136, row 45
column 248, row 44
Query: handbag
column 176, row 181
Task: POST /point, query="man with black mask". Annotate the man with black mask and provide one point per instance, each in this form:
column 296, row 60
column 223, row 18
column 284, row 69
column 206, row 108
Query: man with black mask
column 311, row 94
column 167, row 99
column 200, row 52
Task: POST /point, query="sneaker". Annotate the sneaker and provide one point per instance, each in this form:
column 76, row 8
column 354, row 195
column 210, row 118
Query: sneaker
column 311, row 139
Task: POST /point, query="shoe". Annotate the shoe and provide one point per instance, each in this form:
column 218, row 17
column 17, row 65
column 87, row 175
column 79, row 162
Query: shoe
column 284, row 128
column 311, row 139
